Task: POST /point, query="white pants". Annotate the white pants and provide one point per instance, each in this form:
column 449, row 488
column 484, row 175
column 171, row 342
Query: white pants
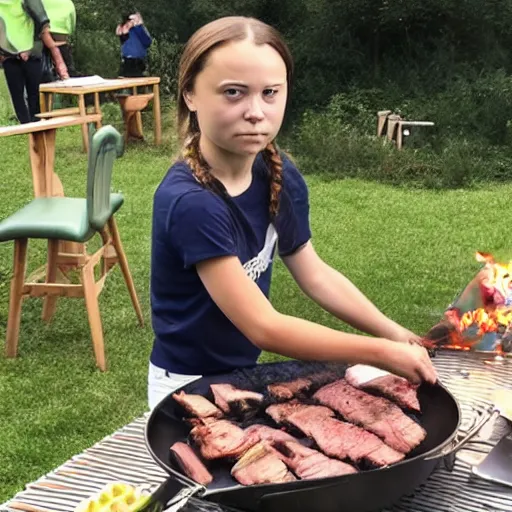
column 160, row 385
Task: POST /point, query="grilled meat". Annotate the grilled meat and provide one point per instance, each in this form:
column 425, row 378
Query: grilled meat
column 190, row 463
column 197, row 405
column 391, row 386
column 340, row 439
column 235, row 401
column 374, row 414
column 287, row 390
column 307, row 463
column 220, row 439
column 261, row 465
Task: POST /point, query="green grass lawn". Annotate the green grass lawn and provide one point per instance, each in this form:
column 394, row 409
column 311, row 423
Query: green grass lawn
column 409, row 251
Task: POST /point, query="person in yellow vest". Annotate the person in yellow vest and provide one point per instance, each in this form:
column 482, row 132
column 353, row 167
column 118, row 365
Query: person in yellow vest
column 62, row 15
column 24, row 29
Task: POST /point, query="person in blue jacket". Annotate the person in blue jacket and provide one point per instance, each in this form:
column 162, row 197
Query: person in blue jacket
column 135, row 41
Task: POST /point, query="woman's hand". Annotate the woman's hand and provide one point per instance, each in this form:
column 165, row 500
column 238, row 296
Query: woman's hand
column 408, row 360
column 403, row 335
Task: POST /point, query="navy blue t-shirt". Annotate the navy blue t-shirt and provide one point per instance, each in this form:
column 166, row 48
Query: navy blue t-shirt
column 192, row 224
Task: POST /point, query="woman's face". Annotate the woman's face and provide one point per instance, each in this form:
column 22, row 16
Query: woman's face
column 240, row 97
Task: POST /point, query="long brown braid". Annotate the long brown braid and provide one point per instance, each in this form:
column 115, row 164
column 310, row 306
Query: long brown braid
column 202, row 173
column 275, row 163
column 199, row 166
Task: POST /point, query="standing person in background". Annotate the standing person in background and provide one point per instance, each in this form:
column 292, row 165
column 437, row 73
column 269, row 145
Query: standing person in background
column 62, row 15
column 24, row 28
column 135, row 41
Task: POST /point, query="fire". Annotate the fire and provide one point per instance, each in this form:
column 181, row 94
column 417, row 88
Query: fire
column 496, row 281
column 486, row 321
column 481, row 317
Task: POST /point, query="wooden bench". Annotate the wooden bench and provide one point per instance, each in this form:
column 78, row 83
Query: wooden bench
column 132, row 105
column 395, row 125
column 72, row 111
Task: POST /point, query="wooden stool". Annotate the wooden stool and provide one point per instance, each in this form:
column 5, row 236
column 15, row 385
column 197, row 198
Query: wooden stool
column 382, row 118
column 131, row 105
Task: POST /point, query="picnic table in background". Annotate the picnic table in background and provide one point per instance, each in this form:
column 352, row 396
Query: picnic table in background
column 95, row 85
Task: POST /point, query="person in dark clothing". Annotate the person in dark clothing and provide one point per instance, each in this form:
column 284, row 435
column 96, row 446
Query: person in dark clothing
column 24, row 29
column 135, row 41
column 22, row 74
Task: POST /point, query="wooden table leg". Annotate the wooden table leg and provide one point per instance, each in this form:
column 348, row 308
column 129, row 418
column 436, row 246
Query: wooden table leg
column 42, row 102
column 85, row 131
column 138, row 115
column 97, row 108
column 156, row 114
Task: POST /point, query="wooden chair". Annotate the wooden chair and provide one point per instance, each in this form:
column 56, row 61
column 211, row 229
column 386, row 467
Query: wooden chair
column 71, row 219
column 132, row 105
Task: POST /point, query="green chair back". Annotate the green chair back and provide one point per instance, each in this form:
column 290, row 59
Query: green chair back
column 106, row 145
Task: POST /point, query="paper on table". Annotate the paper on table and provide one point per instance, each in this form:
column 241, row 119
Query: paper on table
column 80, row 81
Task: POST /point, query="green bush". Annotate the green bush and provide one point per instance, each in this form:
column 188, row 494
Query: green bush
column 97, row 52
column 340, row 140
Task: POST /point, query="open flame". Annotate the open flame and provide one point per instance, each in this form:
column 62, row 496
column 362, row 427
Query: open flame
column 481, row 317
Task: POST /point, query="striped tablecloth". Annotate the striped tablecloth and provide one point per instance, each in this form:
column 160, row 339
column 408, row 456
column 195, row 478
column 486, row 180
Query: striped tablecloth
column 123, row 456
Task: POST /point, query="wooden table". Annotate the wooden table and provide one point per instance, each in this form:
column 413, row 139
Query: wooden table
column 46, row 92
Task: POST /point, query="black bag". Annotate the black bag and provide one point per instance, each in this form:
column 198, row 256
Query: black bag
column 49, row 73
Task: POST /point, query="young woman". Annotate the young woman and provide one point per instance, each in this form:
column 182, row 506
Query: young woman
column 219, row 214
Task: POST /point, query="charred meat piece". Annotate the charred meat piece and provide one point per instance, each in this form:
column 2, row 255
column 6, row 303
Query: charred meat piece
column 391, row 386
column 232, row 400
column 279, row 412
column 343, row 440
column 288, row 390
column 374, row 414
column 264, row 433
column 219, row 439
column 307, row 463
column 190, row 463
column 197, row 405
column 260, row 465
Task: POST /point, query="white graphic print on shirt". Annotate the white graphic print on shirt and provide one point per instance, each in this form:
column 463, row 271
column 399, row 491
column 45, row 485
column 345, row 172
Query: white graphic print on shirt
column 259, row 264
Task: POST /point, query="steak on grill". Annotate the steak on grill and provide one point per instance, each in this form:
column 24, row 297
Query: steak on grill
column 340, row 439
column 280, row 412
column 287, row 390
column 261, row 465
column 391, row 386
column 190, row 463
column 296, row 387
column 307, row 463
column 221, row 438
column 197, row 405
column 232, row 400
column 375, row 414
column 265, row 433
